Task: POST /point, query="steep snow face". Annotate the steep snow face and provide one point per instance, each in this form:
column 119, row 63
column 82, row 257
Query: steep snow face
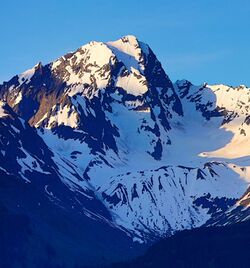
column 132, row 82
column 131, row 52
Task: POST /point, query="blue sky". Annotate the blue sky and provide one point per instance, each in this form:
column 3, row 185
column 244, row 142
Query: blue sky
column 202, row 40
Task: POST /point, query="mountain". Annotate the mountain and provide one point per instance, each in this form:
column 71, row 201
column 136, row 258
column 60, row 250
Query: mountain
column 103, row 131
column 44, row 221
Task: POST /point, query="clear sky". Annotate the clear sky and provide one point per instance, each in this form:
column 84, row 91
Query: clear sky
column 199, row 40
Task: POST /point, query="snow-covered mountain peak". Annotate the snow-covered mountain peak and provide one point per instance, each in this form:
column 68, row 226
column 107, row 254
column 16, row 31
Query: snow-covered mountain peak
column 126, row 70
column 125, row 63
column 99, row 65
